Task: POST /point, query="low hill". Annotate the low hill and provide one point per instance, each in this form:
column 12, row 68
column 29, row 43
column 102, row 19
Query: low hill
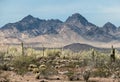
column 76, row 47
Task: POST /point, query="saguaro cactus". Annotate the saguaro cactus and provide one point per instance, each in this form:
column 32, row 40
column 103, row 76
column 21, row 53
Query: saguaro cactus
column 112, row 56
column 93, row 55
column 43, row 49
column 22, row 45
column 7, row 50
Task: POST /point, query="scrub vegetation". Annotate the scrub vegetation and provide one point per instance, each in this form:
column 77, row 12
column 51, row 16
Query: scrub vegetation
column 58, row 64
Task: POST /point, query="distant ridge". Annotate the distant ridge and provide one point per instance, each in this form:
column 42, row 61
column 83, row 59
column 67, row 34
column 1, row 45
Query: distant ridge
column 77, row 47
column 75, row 29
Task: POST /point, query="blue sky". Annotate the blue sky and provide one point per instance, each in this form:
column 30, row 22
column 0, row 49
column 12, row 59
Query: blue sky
column 96, row 11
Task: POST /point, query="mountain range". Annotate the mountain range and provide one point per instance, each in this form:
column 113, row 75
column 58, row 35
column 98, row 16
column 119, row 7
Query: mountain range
column 54, row 32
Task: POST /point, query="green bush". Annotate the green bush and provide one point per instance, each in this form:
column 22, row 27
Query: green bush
column 52, row 54
column 21, row 63
column 101, row 72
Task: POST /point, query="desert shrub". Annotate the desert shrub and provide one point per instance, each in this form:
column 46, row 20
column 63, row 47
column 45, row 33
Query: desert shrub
column 71, row 64
column 4, row 63
column 101, row 72
column 2, row 55
column 30, row 52
column 4, row 67
column 45, row 71
column 70, row 74
column 21, row 63
column 86, row 75
column 13, row 51
column 65, row 54
column 52, row 54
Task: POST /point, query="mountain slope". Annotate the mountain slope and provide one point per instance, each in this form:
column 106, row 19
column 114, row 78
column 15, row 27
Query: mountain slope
column 31, row 27
column 76, row 29
column 109, row 28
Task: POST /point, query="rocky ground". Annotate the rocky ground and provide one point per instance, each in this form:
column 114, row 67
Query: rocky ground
column 10, row 76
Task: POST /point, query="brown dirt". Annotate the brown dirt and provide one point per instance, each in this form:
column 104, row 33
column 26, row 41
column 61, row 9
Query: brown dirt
column 30, row 77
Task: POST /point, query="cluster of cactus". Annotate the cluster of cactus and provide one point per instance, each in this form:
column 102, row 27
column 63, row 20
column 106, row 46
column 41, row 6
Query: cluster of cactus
column 39, row 70
column 41, row 74
column 72, row 76
column 33, row 68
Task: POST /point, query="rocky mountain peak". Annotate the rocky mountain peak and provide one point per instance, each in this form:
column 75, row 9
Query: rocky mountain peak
column 29, row 18
column 77, row 18
column 109, row 25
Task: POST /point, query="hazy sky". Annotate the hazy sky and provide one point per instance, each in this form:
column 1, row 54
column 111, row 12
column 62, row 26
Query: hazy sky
column 96, row 11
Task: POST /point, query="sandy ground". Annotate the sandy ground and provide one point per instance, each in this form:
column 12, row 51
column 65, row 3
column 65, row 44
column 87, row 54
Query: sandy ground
column 30, row 77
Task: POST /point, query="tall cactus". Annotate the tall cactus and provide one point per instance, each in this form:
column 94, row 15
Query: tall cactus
column 22, row 45
column 112, row 56
column 7, row 50
column 43, row 49
column 93, row 55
